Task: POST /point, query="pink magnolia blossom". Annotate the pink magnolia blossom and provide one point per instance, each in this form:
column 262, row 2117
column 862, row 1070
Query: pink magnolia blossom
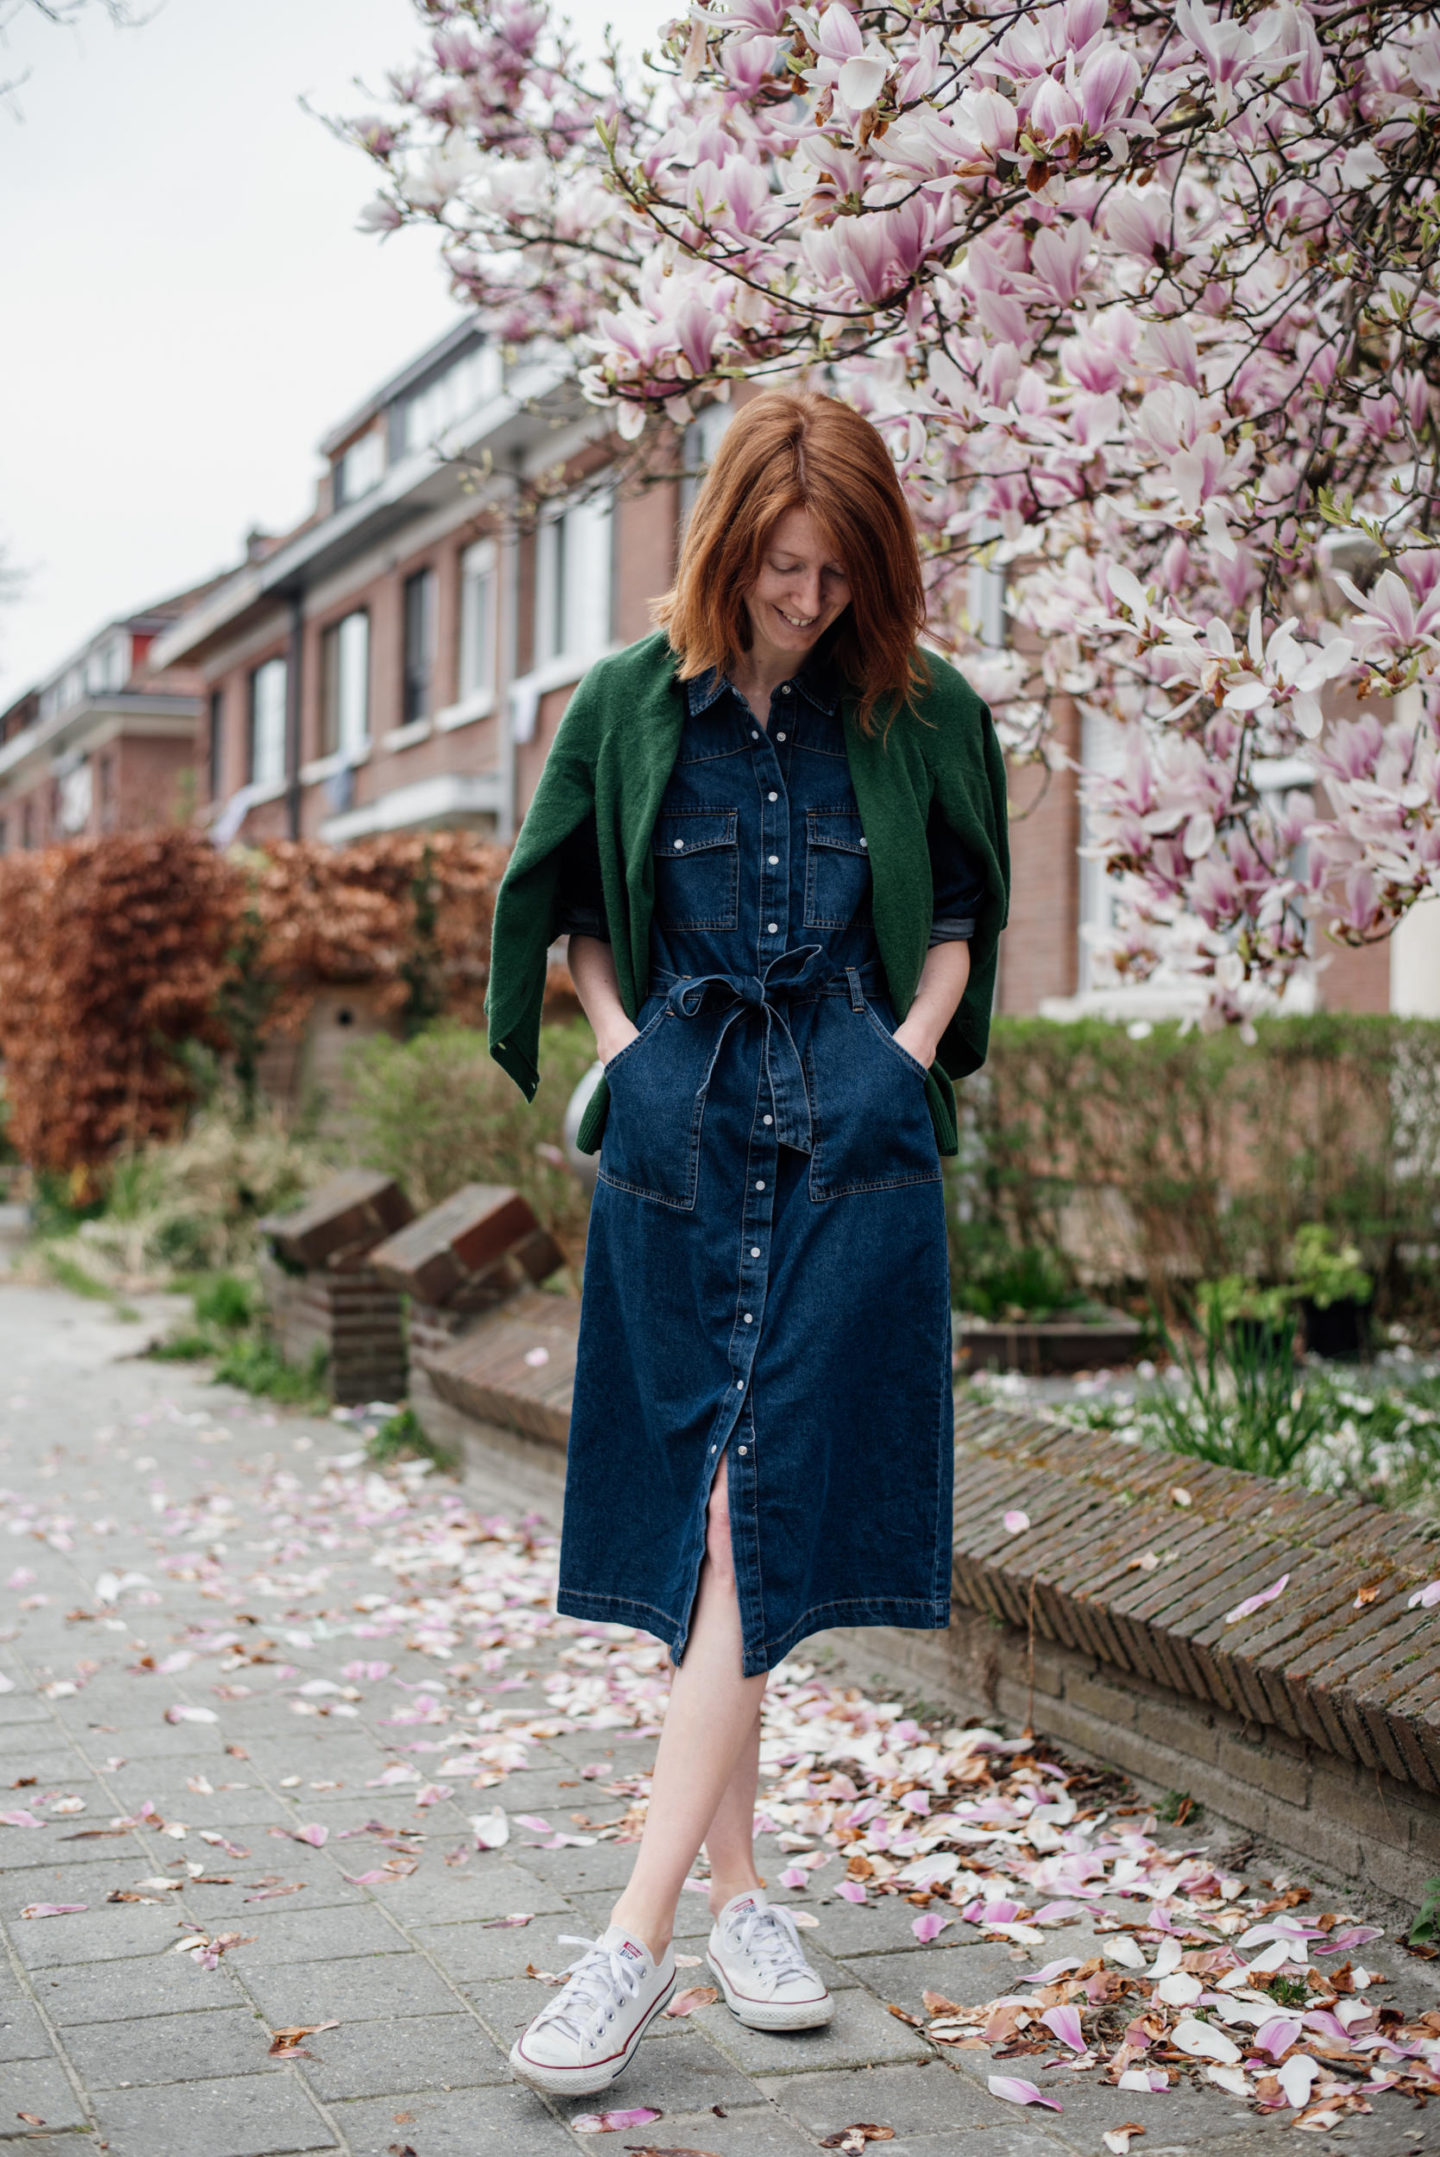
column 1064, row 255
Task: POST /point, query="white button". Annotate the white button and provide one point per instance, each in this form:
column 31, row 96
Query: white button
column 754, row 733
column 779, row 737
column 754, row 1250
column 862, row 842
column 772, row 928
column 712, row 1448
column 749, row 1318
column 761, row 1184
column 743, row 1451
column 774, row 860
column 739, row 1385
column 784, row 689
column 679, row 843
column 772, row 797
column 767, row 1119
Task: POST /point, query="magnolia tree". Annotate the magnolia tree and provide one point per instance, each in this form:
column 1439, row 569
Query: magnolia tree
column 1144, row 300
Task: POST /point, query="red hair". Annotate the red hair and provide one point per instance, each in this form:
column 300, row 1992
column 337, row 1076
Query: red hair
column 792, row 449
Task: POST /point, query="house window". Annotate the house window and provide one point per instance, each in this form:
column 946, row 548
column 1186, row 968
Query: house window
column 419, row 658
column 479, row 580
column 346, row 679
column 574, row 598
column 106, row 765
column 454, row 393
column 217, row 742
column 700, row 442
column 27, row 825
column 4, row 835
column 360, row 469
column 267, row 723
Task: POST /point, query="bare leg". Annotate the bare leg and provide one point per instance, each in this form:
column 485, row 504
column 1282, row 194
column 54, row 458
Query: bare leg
column 730, row 1837
column 711, row 1727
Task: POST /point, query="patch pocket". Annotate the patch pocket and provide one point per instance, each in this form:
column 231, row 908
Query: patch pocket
column 870, row 1118
column 697, row 869
column 658, row 1086
column 837, row 870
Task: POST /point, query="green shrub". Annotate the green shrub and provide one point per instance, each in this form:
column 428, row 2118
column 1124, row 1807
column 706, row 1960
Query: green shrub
column 1325, row 1271
column 227, row 1302
column 1182, row 1157
column 403, row 1437
column 436, row 1112
column 187, row 1207
column 255, row 1365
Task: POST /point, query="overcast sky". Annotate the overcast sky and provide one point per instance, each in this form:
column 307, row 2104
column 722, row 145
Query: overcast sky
column 187, row 304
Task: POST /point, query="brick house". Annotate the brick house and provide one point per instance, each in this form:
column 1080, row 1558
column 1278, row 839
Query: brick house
column 403, row 658
column 105, row 743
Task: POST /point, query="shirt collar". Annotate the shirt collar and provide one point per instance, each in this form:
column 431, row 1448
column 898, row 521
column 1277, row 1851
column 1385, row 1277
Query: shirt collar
column 815, row 681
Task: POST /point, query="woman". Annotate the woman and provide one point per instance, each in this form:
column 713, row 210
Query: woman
column 774, row 832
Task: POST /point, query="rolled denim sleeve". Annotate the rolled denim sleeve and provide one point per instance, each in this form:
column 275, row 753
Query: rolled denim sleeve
column 581, row 898
column 958, row 888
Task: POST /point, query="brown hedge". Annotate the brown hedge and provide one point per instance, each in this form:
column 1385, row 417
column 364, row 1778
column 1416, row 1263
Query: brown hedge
column 114, row 952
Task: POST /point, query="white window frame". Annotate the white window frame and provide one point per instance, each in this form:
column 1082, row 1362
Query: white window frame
column 479, row 636
column 268, row 714
column 572, row 620
column 345, row 686
column 359, row 468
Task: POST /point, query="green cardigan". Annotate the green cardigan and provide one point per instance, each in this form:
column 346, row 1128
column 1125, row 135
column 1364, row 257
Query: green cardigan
column 612, row 758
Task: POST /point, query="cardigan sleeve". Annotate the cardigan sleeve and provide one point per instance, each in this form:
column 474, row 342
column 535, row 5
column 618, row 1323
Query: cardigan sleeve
column 957, row 889
column 581, row 894
column 970, row 797
column 528, row 905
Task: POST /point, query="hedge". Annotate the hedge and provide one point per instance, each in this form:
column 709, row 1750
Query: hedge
column 1154, row 1161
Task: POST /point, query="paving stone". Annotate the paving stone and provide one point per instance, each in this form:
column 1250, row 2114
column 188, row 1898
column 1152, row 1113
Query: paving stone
column 23, row 2036
column 19, row 1710
column 39, row 2086
column 291, row 1935
column 25, row 2144
column 439, row 1895
column 867, row 1928
column 116, row 1991
column 507, row 2119
column 910, row 2099
column 364, row 1988
column 105, row 1934
column 49, row 1849
column 406, row 2052
column 582, row 1872
column 754, row 2130
column 266, row 2115
column 861, row 2034
column 968, row 1975
column 169, row 2048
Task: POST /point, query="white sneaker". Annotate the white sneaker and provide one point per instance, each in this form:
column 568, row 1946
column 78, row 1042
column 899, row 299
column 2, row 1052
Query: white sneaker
column 586, row 2037
column 755, row 1952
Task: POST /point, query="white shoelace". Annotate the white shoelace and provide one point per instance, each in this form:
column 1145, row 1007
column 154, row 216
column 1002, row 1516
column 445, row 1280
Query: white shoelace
column 599, row 1981
column 770, row 1934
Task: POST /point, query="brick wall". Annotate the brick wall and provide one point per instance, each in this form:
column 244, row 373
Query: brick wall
column 1039, row 955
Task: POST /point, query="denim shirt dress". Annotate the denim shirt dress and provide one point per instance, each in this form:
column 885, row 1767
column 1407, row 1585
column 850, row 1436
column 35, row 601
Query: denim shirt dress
column 766, row 1282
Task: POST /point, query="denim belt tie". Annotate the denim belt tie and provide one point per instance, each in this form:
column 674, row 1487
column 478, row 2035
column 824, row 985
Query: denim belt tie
column 804, row 971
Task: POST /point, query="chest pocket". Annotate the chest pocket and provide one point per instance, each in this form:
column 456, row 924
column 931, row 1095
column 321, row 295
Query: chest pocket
column 697, row 869
column 837, row 870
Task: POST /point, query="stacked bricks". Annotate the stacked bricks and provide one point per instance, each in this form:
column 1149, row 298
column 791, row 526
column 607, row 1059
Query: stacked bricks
column 322, row 1291
column 475, row 1253
column 464, row 1256
column 496, row 1374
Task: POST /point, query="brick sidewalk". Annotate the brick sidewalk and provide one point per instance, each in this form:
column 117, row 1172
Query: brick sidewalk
column 111, row 2040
